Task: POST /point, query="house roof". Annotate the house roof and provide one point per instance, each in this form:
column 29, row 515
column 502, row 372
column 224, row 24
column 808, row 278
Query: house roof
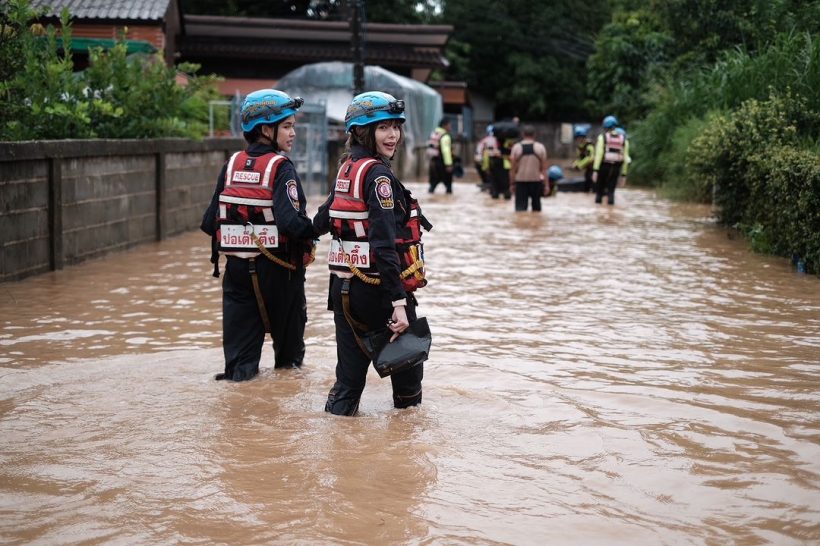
column 311, row 41
column 129, row 10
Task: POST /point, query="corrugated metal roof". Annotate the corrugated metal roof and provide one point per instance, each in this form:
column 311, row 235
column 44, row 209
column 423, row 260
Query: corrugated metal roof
column 147, row 10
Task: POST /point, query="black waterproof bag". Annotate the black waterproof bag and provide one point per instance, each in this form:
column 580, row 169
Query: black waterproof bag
column 410, row 349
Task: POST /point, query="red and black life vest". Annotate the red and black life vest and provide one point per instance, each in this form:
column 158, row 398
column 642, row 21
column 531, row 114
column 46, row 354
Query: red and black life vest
column 349, row 224
column 246, row 206
column 614, row 147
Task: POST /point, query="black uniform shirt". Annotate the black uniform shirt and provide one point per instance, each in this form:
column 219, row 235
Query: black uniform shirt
column 384, row 222
column 291, row 218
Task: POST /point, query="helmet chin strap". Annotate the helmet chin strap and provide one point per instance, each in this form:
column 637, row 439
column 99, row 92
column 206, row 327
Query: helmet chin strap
column 272, row 138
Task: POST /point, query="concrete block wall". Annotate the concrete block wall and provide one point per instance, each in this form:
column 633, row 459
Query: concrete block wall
column 24, row 218
column 190, row 178
column 63, row 202
column 108, row 203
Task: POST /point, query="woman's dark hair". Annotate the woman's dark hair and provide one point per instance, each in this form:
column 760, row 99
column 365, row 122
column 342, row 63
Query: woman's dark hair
column 255, row 134
column 365, row 136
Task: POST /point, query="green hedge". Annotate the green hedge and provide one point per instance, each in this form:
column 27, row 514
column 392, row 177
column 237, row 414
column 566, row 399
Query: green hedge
column 765, row 179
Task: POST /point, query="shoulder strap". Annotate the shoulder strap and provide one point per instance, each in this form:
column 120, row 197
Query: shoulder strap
column 358, row 175
column 275, row 161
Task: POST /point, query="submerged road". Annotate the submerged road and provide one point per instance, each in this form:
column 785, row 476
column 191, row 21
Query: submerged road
column 599, row 375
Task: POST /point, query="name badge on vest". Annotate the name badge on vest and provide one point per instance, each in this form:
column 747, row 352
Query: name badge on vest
column 239, row 236
column 357, row 252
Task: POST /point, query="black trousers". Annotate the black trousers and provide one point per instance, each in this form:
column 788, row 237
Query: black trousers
column 372, row 306
column 607, row 182
column 589, row 185
column 486, row 181
column 438, row 174
column 243, row 332
column 526, row 191
column 500, row 178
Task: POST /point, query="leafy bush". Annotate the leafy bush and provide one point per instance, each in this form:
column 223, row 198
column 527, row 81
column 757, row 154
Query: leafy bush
column 43, row 97
column 680, row 181
column 765, row 174
column 784, row 204
column 118, row 96
column 792, row 60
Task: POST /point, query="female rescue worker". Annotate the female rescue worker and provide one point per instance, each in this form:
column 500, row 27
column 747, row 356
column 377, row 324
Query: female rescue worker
column 257, row 218
column 375, row 256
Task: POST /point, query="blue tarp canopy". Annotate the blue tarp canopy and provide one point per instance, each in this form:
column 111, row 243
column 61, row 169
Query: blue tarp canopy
column 332, row 83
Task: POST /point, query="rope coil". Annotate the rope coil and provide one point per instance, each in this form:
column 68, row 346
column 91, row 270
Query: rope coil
column 375, row 281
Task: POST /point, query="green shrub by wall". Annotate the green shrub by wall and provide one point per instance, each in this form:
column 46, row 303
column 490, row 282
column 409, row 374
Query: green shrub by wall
column 783, row 214
column 118, row 96
column 765, row 174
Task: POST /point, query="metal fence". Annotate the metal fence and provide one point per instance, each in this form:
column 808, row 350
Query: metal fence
column 309, row 153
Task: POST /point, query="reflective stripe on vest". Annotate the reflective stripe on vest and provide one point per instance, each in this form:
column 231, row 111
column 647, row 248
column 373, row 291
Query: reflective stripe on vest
column 243, row 201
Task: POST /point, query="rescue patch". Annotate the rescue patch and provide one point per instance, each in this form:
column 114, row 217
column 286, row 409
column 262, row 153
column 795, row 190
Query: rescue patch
column 384, row 191
column 342, row 185
column 245, row 177
column 293, row 194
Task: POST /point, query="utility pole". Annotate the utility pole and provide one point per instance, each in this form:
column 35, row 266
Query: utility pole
column 357, row 46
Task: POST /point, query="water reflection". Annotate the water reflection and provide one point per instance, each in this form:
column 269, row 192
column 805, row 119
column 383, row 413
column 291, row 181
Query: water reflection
column 617, row 375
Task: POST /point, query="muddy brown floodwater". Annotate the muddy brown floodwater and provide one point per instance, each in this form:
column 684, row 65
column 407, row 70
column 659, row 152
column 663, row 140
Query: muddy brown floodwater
column 599, row 375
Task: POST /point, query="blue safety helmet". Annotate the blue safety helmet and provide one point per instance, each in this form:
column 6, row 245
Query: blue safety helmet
column 621, row 131
column 581, row 131
column 372, row 106
column 267, row 106
column 610, row 122
column 490, row 129
column 555, row 172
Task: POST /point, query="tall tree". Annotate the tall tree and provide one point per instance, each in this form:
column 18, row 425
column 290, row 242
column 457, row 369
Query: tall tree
column 651, row 42
column 631, row 52
column 302, row 9
column 404, row 11
column 381, row 11
column 702, row 29
column 528, row 55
